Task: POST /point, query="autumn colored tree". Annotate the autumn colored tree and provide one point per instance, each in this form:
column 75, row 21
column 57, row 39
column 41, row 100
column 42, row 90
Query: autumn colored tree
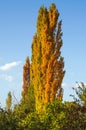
column 26, row 78
column 47, row 63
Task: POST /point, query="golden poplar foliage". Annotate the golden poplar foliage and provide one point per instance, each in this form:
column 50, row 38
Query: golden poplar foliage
column 26, row 78
column 47, row 63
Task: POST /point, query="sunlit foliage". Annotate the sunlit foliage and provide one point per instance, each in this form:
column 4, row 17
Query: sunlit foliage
column 26, row 78
column 41, row 106
column 47, row 63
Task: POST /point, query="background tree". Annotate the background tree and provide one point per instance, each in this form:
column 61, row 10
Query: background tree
column 80, row 91
column 9, row 101
column 47, row 63
column 26, row 78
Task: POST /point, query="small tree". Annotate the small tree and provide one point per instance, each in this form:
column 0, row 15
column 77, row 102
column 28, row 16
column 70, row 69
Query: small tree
column 81, row 93
column 9, row 101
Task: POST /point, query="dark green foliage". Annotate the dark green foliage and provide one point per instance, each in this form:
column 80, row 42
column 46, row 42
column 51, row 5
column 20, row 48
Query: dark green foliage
column 58, row 116
column 8, row 120
column 75, row 117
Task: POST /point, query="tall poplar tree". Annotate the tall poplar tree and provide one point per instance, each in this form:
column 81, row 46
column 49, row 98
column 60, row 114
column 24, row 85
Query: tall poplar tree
column 26, row 78
column 47, row 63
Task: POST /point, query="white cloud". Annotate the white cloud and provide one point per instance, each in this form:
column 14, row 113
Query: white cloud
column 67, row 85
column 64, row 84
column 9, row 65
column 6, row 77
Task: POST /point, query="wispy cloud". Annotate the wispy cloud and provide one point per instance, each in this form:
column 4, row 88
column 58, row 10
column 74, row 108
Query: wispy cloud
column 9, row 65
column 67, row 85
column 64, row 84
column 6, row 77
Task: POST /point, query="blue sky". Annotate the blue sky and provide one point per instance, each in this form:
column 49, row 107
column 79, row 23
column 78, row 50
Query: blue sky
column 17, row 27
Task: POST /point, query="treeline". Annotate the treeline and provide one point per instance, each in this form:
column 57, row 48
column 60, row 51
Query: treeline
column 58, row 115
column 41, row 106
